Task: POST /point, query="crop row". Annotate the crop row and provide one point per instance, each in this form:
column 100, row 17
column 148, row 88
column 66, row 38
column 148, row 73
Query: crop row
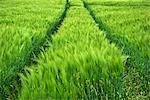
column 127, row 25
column 23, row 29
column 80, row 63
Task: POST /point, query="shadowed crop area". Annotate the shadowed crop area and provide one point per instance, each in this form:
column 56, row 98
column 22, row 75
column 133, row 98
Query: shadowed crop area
column 74, row 50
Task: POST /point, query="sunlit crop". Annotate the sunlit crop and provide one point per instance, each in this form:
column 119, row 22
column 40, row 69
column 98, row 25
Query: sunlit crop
column 74, row 49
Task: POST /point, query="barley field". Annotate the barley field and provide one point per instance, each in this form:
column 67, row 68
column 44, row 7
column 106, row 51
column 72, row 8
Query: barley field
column 74, row 49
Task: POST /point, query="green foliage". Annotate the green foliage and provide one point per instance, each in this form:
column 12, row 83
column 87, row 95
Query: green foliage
column 101, row 58
column 23, row 27
column 127, row 24
column 79, row 63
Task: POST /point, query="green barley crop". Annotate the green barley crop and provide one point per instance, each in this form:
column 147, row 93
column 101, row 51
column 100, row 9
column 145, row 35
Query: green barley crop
column 127, row 23
column 79, row 63
column 23, row 27
column 100, row 49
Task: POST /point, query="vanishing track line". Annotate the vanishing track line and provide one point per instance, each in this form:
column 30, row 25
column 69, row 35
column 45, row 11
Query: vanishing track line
column 130, row 63
column 103, row 27
column 35, row 53
column 50, row 32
